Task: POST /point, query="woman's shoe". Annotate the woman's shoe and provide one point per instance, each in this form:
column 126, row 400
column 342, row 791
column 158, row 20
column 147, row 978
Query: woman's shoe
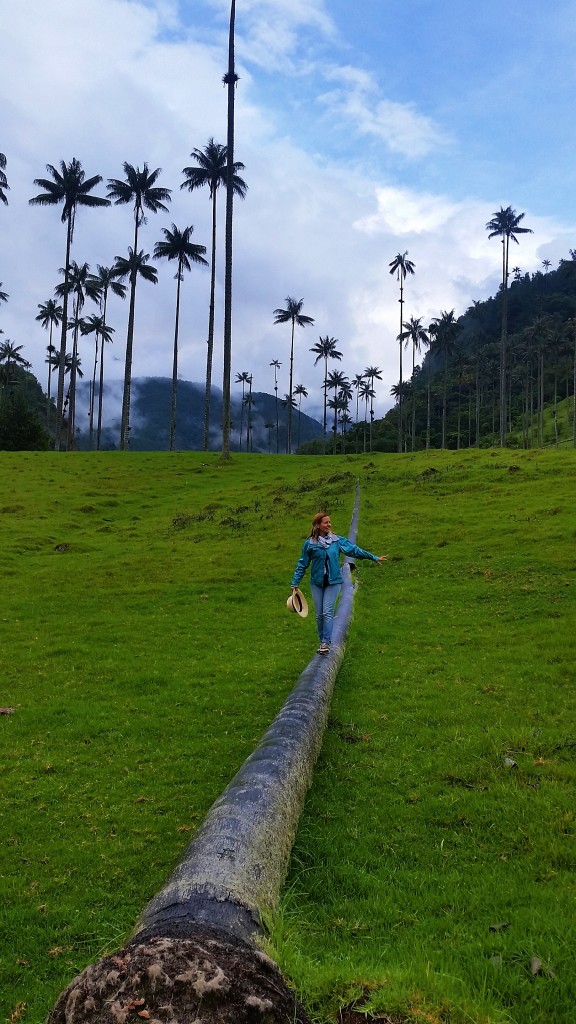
column 324, row 648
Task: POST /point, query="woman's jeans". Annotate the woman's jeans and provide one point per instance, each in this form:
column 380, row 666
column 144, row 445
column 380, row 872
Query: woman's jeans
column 324, row 600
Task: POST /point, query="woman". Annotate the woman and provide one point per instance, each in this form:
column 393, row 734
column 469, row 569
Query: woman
column 322, row 549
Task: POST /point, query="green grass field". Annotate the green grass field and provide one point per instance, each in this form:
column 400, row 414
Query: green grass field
column 146, row 646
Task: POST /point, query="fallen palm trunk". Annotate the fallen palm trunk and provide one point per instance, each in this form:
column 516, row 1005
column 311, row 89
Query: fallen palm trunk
column 193, row 955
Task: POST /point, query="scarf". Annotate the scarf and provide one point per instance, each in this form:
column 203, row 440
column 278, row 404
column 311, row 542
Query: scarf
column 325, row 542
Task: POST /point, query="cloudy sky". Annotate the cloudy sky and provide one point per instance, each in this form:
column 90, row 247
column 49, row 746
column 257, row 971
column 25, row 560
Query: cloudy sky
column 367, row 128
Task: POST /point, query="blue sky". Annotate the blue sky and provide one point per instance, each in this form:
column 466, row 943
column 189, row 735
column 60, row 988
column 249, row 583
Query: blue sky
column 367, row 128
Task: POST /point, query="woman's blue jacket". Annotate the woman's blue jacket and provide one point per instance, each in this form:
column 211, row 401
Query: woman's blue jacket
column 313, row 552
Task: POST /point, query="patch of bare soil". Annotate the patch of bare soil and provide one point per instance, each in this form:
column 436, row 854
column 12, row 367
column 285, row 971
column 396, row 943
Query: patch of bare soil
column 180, row 981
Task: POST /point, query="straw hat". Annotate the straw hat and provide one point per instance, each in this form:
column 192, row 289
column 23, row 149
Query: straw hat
column 297, row 603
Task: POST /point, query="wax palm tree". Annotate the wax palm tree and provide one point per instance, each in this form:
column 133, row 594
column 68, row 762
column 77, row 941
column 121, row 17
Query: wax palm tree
column 443, row 329
column 106, row 279
column 401, row 267
column 367, row 394
column 269, row 426
column 546, row 264
column 276, row 366
column 139, row 189
column 418, row 335
column 177, row 246
column 336, row 380
column 81, row 285
column 50, row 316
column 10, row 356
column 3, row 295
column 230, row 79
column 301, row 391
column 97, row 326
column 249, row 402
column 292, row 314
column 243, row 378
column 372, row 373
column 345, row 395
column 4, row 186
column 72, row 188
column 505, row 224
column 210, row 171
column 131, row 267
column 325, row 348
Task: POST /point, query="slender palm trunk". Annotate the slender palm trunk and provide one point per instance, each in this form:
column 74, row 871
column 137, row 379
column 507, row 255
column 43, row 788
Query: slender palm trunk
column 231, row 85
column 277, row 424
column 175, row 360
column 71, row 433
column 428, row 388
column 210, row 343
column 503, row 340
column 401, row 301
column 49, row 381
column 63, row 337
column 289, row 412
column 298, row 440
column 444, row 396
column 574, row 395
column 125, row 422
column 101, row 384
column 93, row 389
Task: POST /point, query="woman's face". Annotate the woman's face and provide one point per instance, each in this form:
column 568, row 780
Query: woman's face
column 325, row 526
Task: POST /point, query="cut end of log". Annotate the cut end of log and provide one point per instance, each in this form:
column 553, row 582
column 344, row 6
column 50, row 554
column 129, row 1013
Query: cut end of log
column 180, row 981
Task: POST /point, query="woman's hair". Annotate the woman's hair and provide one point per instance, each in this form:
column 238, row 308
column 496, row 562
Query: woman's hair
column 315, row 531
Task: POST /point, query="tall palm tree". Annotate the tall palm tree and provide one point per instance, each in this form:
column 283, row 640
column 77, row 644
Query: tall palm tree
column 81, row 285
column 505, row 224
column 336, row 380
column 443, row 330
column 3, row 180
column 367, row 394
column 97, row 326
column 301, row 391
column 106, row 279
column 418, row 335
column 249, row 402
column 372, row 373
column 50, row 316
column 177, row 246
column 140, row 190
column 72, row 188
column 132, row 267
column 293, row 314
column 325, row 348
column 243, row 378
column 230, row 79
column 10, row 356
column 211, row 171
column 276, row 366
column 401, row 267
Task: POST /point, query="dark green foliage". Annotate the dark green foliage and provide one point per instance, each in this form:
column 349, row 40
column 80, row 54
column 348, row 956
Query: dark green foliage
column 23, row 414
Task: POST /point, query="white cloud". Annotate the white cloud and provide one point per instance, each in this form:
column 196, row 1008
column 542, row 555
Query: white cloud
column 399, row 125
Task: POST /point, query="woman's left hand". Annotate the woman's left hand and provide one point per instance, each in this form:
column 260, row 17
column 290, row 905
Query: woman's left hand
column 382, row 558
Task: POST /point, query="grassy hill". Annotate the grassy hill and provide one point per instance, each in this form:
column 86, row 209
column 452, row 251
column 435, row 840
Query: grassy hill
column 146, row 646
